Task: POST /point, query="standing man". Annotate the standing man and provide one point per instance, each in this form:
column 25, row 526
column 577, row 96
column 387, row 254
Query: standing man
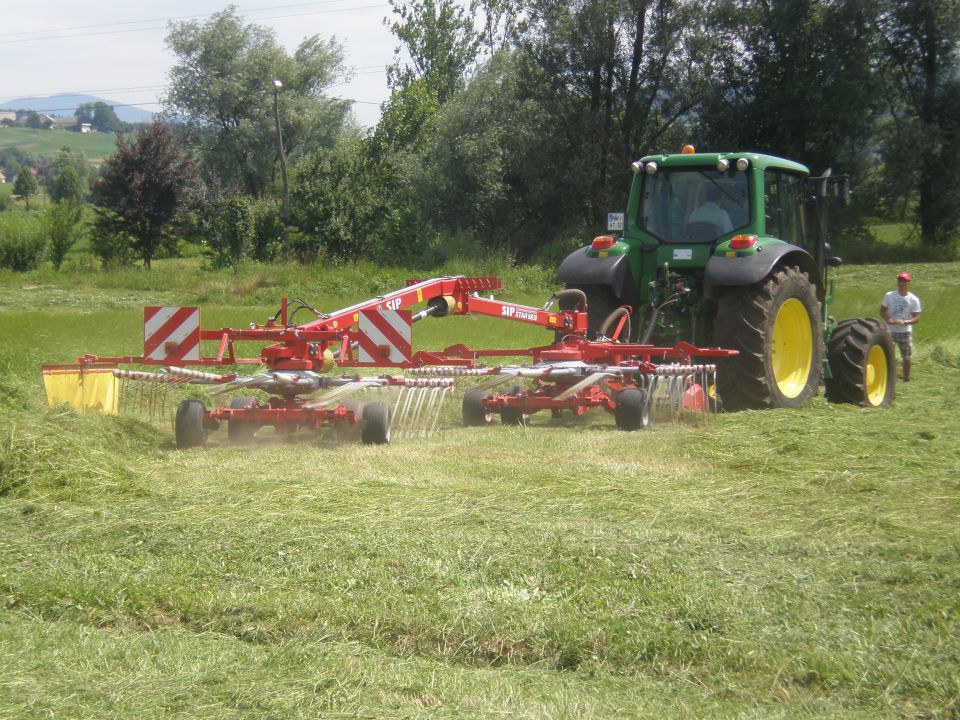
column 901, row 311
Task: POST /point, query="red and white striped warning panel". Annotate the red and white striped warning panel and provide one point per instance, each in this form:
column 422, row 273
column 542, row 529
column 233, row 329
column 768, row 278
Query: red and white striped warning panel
column 171, row 334
column 385, row 336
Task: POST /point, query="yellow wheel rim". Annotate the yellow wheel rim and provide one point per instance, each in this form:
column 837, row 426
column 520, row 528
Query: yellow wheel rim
column 791, row 350
column 875, row 376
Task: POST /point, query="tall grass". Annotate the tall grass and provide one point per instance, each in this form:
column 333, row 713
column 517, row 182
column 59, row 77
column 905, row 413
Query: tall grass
column 769, row 564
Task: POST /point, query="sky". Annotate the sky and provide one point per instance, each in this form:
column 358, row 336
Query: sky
column 116, row 50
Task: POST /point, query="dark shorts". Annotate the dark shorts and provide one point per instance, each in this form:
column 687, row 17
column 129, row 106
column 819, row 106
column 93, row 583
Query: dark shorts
column 904, row 341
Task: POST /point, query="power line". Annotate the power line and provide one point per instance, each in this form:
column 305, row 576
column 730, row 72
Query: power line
column 163, row 27
column 164, row 20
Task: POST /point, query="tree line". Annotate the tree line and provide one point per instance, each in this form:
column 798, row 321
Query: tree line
column 511, row 124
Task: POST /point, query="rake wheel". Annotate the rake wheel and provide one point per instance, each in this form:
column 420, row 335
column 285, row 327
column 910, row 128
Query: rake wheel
column 474, row 412
column 633, row 410
column 376, row 423
column 241, row 431
column 189, row 425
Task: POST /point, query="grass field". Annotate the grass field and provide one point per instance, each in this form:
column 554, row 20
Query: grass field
column 771, row 564
column 95, row 146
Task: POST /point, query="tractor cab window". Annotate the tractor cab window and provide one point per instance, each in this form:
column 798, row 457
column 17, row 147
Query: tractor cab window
column 694, row 205
column 783, row 213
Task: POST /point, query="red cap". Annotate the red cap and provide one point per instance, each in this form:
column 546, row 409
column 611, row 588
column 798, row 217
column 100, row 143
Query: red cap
column 904, row 276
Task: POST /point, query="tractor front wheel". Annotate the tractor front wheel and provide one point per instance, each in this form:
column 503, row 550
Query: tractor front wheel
column 600, row 303
column 776, row 326
column 862, row 364
column 188, row 426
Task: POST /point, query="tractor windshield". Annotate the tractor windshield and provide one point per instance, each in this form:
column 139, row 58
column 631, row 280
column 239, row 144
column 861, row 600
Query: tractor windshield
column 693, row 205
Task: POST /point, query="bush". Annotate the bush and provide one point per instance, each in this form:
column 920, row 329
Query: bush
column 22, row 242
column 228, row 231
column 113, row 248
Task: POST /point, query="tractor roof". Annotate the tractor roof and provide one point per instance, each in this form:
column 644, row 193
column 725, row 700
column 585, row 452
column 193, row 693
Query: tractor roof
column 756, row 160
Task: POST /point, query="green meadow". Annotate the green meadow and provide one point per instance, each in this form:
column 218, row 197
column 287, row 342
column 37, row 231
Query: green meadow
column 96, row 146
column 788, row 564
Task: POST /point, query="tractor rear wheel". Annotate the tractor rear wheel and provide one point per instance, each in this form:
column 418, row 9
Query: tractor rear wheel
column 474, row 412
column 188, row 426
column 776, row 326
column 241, row 431
column 376, row 423
column 633, row 410
column 862, row 364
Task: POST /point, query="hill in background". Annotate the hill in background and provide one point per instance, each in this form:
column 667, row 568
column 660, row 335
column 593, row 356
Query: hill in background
column 65, row 105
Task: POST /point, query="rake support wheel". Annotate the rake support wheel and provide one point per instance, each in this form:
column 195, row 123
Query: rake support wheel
column 514, row 416
column 632, row 411
column 241, row 431
column 776, row 326
column 188, row 426
column 862, row 364
column 376, row 423
column 474, row 412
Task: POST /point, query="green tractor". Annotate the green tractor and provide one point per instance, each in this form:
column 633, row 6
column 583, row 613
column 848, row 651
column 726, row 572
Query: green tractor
column 730, row 250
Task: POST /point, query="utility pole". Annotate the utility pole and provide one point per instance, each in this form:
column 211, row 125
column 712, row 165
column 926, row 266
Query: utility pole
column 277, row 87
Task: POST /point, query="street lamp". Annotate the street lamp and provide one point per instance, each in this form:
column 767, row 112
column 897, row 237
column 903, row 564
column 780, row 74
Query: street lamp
column 277, row 88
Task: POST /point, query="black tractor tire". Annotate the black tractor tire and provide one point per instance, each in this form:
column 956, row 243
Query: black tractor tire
column 514, row 416
column 188, row 426
column 600, row 303
column 862, row 363
column 376, row 423
column 633, row 410
column 474, row 413
column 242, row 431
column 777, row 328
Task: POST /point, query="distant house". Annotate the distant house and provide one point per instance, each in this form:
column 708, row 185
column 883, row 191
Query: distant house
column 8, row 115
column 3, row 177
column 85, row 128
column 65, row 123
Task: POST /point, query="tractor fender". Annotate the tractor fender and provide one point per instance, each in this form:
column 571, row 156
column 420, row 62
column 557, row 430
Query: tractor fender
column 579, row 269
column 749, row 269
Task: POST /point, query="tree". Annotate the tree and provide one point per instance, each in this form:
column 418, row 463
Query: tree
column 142, row 189
column 61, row 226
column 68, row 177
column 99, row 115
column 921, row 44
column 25, row 185
column 223, row 85
column 441, row 42
column 803, row 87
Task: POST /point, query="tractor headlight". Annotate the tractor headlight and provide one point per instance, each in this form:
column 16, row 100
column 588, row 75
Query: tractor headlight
column 723, row 164
column 651, row 168
column 743, row 164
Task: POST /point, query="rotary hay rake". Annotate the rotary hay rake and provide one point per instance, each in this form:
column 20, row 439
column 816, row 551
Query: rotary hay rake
column 635, row 382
